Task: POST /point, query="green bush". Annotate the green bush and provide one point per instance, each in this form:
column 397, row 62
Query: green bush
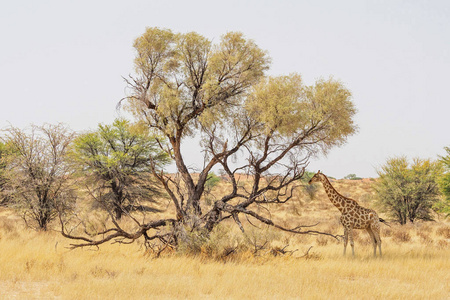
column 408, row 191
column 443, row 206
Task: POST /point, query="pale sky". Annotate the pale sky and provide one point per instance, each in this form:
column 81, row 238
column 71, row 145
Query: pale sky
column 62, row 61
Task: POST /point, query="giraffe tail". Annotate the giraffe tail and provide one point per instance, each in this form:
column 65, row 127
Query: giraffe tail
column 384, row 221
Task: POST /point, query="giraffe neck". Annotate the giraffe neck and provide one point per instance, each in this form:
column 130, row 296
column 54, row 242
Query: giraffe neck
column 337, row 199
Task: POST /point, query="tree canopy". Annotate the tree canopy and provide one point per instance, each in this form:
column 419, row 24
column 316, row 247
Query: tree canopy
column 184, row 85
column 38, row 173
column 115, row 161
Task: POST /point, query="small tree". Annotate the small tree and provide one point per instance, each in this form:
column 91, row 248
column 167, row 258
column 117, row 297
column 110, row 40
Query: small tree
column 406, row 191
column 38, row 172
column 444, row 183
column 115, row 161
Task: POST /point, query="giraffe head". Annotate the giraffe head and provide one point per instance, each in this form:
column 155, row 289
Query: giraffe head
column 318, row 177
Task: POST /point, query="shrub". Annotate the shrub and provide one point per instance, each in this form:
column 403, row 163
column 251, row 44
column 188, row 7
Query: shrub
column 220, row 244
column 408, row 192
column 443, row 206
column 211, row 182
column 39, row 174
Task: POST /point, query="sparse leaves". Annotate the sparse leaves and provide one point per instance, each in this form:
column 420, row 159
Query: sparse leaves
column 38, row 173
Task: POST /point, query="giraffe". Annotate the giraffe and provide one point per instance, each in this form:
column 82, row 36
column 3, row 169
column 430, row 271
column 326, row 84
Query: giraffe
column 353, row 215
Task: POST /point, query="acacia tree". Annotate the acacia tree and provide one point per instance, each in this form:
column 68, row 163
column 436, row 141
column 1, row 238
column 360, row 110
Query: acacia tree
column 185, row 86
column 408, row 191
column 38, row 172
column 115, row 162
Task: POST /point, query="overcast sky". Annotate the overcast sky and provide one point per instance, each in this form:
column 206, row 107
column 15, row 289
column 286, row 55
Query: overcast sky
column 62, row 61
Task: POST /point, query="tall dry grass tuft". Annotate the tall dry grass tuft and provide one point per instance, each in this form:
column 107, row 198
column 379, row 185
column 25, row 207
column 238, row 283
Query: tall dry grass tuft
column 443, row 231
column 425, row 238
column 443, row 245
column 401, row 236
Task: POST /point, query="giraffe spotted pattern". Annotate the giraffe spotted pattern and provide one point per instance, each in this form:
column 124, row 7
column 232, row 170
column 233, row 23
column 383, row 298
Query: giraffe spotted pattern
column 353, row 215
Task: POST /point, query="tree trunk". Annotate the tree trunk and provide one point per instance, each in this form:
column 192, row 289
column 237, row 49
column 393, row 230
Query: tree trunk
column 44, row 214
column 117, row 212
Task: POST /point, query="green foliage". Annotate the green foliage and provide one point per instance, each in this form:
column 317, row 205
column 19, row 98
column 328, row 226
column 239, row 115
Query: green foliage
column 287, row 108
column 181, row 77
column 307, row 176
column 408, row 191
column 116, row 160
column 309, row 189
column 443, row 206
column 3, row 155
column 277, row 102
column 3, row 151
column 330, row 106
column 352, row 177
column 211, row 181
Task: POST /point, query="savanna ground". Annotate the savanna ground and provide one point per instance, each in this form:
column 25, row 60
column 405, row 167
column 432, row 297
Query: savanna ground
column 415, row 262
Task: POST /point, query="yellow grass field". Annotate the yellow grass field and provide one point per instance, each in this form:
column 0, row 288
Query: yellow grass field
column 415, row 264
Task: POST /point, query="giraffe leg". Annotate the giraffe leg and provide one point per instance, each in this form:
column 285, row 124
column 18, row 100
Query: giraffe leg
column 376, row 232
column 374, row 241
column 350, row 236
column 345, row 239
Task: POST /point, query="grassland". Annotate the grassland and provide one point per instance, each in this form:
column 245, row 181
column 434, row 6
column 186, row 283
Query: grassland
column 415, row 265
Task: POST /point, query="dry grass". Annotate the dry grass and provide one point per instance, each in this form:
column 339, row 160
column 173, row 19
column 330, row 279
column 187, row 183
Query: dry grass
column 36, row 265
